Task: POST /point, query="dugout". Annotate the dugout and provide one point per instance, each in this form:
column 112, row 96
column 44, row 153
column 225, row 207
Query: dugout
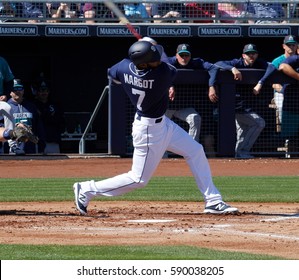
column 218, row 120
column 77, row 65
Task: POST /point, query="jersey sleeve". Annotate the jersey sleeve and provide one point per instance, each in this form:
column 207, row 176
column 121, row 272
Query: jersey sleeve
column 113, row 73
column 7, row 74
column 227, row 64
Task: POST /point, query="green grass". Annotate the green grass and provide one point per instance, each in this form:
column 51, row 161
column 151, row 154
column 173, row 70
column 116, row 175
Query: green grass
column 61, row 252
column 233, row 189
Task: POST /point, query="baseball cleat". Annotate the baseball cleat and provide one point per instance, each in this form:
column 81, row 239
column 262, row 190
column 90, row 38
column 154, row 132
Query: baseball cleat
column 80, row 198
column 220, row 208
column 244, row 156
column 16, row 150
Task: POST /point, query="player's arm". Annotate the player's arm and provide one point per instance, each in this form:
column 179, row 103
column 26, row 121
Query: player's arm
column 114, row 72
column 269, row 71
column 213, row 72
column 230, row 66
column 289, row 70
column 171, row 93
column 7, row 86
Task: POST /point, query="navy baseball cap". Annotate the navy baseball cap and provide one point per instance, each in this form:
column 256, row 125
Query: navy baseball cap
column 17, row 84
column 250, row 48
column 43, row 85
column 290, row 39
column 183, row 48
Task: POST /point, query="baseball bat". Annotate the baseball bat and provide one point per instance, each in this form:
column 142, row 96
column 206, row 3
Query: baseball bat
column 122, row 18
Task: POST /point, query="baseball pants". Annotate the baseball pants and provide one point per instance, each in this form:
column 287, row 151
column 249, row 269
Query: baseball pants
column 189, row 115
column 151, row 138
column 248, row 126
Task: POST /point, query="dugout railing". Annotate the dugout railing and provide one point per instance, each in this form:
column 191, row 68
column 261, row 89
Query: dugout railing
column 170, row 11
column 218, row 132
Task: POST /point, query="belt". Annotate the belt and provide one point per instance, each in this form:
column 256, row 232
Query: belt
column 148, row 121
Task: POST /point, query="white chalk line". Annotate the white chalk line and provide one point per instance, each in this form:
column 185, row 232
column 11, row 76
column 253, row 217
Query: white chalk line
column 255, row 234
column 151, row 221
column 281, row 218
column 225, row 229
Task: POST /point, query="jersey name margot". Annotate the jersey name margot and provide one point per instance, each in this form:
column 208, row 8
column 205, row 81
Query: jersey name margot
column 130, row 79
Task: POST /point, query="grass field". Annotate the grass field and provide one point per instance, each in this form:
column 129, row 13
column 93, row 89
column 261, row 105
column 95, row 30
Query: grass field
column 234, row 189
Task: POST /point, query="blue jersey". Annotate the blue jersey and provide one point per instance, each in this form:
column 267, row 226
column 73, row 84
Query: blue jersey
column 291, row 98
column 293, row 61
column 242, row 103
column 239, row 63
column 5, row 74
column 197, row 63
column 27, row 113
column 145, row 88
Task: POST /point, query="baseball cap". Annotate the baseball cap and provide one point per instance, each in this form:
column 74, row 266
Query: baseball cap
column 290, row 39
column 250, row 48
column 183, row 48
column 43, row 85
column 17, row 84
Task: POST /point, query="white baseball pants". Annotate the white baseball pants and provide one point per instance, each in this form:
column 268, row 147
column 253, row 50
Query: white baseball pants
column 151, row 138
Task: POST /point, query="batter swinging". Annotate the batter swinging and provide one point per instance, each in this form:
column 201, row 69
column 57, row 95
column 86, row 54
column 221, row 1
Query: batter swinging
column 146, row 81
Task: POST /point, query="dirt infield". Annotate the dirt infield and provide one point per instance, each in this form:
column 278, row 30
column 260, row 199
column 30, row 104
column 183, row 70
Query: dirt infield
column 264, row 228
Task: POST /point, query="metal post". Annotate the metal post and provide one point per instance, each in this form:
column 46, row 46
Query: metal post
column 82, row 140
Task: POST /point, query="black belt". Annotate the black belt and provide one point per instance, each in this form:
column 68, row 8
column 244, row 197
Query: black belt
column 156, row 121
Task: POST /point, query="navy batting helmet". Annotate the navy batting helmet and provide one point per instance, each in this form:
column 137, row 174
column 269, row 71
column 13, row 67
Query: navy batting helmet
column 144, row 52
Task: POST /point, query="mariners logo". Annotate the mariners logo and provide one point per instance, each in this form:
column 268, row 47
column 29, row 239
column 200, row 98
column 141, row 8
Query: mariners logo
column 250, row 47
column 184, row 47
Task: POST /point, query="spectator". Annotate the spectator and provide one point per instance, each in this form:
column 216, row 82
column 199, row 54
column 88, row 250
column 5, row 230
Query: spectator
column 171, row 12
column 89, row 12
column 265, row 13
column 152, row 9
column 290, row 46
column 31, row 11
column 205, row 12
column 7, row 11
column 64, row 11
column 249, row 124
column 183, row 60
column 135, row 11
column 51, row 116
column 103, row 12
column 228, row 11
column 25, row 111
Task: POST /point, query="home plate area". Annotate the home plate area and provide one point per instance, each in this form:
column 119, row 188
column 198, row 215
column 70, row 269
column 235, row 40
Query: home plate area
column 260, row 228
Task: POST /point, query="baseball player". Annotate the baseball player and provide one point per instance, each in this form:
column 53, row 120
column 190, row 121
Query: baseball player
column 249, row 124
column 290, row 46
column 290, row 115
column 184, row 60
column 20, row 133
column 146, row 81
column 6, row 115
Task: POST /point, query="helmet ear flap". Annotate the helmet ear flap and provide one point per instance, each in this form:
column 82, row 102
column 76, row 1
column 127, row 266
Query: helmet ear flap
column 143, row 52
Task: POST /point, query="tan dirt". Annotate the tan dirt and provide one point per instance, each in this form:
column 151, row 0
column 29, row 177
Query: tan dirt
column 262, row 228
